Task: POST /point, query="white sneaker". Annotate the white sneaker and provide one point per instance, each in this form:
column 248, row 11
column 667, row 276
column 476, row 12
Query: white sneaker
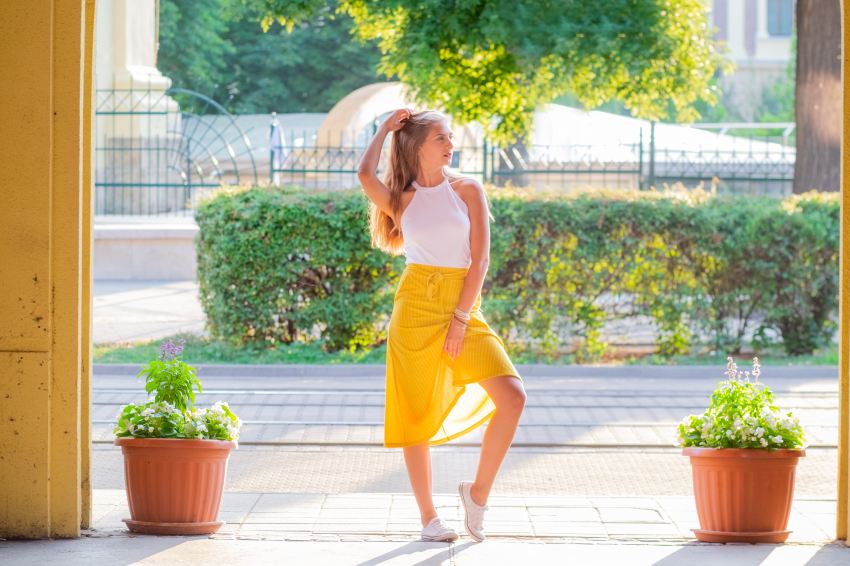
column 474, row 513
column 437, row 530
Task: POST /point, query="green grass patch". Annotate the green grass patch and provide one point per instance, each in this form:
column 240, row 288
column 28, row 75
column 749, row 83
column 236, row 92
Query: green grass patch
column 200, row 350
column 823, row 357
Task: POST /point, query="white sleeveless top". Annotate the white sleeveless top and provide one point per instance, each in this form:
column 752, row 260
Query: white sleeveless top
column 435, row 227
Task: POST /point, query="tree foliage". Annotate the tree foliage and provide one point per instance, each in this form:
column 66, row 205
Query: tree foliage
column 496, row 61
column 217, row 48
column 193, row 49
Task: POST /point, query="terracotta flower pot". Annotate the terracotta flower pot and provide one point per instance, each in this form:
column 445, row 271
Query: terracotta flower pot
column 743, row 494
column 174, row 485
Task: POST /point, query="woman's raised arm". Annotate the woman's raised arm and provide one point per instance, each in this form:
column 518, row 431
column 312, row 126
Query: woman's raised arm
column 374, row 188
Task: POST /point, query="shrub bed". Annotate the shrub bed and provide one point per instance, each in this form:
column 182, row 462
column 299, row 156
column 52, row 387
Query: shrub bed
column 280, row 265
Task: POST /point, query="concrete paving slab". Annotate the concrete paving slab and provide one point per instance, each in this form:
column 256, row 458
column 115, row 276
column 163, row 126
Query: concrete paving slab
column 568, row 474
column 138, row 310
column 151, row 550
column 601, row 517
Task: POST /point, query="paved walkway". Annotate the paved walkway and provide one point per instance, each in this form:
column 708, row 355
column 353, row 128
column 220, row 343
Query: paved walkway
column 168, row 551
column 306, row 488
column 574, row 472
column 366, row 529
column 578, row 406
column 395, row 517
column 333, row 501
column 131, row 311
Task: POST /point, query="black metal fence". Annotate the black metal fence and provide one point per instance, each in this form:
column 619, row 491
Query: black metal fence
column 158, row 151
column 551, row 167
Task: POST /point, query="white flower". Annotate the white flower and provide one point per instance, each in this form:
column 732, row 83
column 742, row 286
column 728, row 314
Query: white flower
column 763, row 442
column 777, row 439
column 169, row 408
column 729, row 433
column 759, row 432
column 731, row 368
column 202, row 427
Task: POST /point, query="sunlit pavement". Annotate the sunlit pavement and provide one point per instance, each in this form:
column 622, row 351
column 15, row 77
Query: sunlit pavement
column 592, row 477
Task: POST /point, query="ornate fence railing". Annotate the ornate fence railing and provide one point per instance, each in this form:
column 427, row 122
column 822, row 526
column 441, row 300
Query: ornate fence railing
column 157, row 152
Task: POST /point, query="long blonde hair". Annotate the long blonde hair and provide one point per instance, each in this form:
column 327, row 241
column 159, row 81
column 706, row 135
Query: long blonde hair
column 402, row 168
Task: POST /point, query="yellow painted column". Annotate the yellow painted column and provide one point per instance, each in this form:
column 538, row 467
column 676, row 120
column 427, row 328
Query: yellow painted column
column 43, row 57
column 842, row 517
column 86, row 267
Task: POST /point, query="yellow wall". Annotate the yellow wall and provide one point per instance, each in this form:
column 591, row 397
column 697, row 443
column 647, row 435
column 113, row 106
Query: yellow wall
column 87, row 265
column 842, row 518
column 44, row 253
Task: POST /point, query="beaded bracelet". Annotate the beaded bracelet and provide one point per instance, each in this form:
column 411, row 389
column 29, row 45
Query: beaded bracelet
column 462, row 314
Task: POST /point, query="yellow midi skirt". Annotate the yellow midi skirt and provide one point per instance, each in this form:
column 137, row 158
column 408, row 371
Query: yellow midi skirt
column 430, row 396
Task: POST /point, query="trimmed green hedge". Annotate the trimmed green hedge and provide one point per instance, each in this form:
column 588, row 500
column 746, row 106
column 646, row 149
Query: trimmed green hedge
column 284, row 265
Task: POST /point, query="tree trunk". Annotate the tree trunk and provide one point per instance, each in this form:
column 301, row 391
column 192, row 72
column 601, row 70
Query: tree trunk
column 817, row 105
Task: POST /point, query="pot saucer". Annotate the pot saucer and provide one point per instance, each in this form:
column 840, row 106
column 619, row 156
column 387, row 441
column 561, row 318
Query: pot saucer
column 156, row 528
column 733, row 536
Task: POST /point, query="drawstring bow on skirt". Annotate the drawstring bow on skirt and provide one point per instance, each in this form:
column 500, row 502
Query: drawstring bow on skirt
column 432, row 284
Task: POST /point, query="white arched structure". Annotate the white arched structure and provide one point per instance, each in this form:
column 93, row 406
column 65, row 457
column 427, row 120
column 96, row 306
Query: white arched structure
column 348, row 122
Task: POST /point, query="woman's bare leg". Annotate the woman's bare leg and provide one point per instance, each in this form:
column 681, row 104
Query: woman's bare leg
column 418, row 460
column 509, row 396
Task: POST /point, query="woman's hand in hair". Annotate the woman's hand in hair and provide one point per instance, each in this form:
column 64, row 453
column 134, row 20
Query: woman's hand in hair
column 396, row 120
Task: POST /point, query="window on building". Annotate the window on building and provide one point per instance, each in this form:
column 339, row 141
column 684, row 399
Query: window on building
column 780, row 15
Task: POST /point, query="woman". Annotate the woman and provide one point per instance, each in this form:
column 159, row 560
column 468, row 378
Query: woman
column 447, row 371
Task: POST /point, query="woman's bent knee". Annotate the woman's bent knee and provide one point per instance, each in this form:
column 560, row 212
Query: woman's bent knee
column 507, row 393
column 518, row 401
column 515, row 400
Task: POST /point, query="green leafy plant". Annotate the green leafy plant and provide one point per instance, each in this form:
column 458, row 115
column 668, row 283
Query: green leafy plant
column 170, row 379
column 281, row 267
column 172, row 414
column 742, row 414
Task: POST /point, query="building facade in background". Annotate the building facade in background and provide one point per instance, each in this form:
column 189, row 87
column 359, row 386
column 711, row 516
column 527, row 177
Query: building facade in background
column 757, row 34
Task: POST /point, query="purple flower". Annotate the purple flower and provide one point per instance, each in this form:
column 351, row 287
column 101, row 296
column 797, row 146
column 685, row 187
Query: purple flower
column 168, row 350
